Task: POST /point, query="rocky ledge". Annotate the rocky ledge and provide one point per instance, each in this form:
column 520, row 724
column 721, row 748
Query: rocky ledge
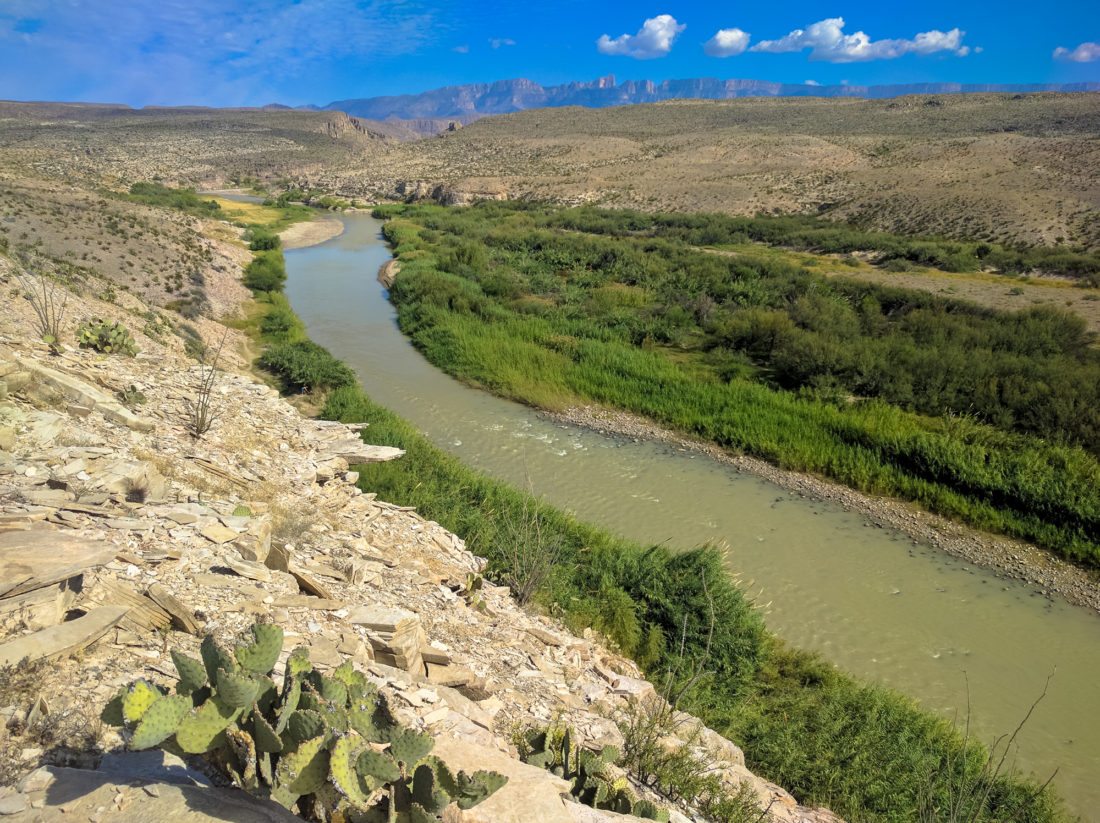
column 123, row 538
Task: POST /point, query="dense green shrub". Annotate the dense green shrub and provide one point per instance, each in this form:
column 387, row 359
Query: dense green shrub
column 264, row 240
column 304, row 366
column 266, row 272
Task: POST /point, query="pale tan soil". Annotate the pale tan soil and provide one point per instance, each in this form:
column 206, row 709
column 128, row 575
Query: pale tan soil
column 310, row 233
column 1007, row 557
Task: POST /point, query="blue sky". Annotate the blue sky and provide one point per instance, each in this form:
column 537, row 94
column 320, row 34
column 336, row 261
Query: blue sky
column 229, row 52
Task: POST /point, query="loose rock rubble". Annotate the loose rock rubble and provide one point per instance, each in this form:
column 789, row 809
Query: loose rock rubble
column 122, row 537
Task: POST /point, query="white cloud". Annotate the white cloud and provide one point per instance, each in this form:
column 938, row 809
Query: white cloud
column 1085, row 53
column 654, row 39
column 727, row 43
column 827, row 41
column 462, row 49
column 497, row 42
column 812, row 83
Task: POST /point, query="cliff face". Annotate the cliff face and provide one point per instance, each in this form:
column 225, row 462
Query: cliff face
column 505, row 96
column 113, row 511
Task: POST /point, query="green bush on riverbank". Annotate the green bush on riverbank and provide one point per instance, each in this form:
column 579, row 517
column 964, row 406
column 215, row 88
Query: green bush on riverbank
column 987, row 417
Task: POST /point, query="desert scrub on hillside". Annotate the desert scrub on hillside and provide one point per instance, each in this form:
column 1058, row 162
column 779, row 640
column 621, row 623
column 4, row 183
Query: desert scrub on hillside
column 48, row 301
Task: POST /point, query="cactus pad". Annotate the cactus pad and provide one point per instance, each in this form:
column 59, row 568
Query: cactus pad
column 266, row 738
column 304, row 771
column 410, row 747
column 260, row 655
column 140, row 697
column 235, row 689
column 472, row 790
column 214, row 657
column 160, row 721
column 649, row 811
column 350, row 783
column 201, row 730
column 377, row 765
column 298, row 662
column 305, row 725
column 192, row 673
column 427, row 791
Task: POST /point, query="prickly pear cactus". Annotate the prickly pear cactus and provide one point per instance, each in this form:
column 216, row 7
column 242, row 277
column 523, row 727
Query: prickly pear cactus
column 325, row 745
column 105, row 337
column 594, row 782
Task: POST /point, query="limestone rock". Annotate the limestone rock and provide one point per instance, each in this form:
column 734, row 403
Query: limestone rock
column 66, row 638
column 32, row 559
column 77, row 794
column 530, row 793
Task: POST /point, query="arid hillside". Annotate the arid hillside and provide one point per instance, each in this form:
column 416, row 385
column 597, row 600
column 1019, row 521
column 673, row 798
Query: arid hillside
column 117, row 144
column 1006, row 167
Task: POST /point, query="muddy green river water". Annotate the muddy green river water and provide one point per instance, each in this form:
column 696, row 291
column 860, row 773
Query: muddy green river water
column 868, row 598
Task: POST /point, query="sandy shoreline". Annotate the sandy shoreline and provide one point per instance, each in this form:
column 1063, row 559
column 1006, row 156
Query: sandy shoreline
column 1006, row 557
column 310, row 233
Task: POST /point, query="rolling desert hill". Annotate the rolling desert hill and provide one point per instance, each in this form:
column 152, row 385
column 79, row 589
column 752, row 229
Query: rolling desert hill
column 1008, row 167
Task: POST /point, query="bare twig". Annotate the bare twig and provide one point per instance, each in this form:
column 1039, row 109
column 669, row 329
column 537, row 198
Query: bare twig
column 49, row 312
column 202, row 410
column 530, row 554
column 967, row 797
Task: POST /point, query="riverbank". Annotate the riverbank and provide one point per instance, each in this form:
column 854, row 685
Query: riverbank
column 310, row 233
column 1014, row 559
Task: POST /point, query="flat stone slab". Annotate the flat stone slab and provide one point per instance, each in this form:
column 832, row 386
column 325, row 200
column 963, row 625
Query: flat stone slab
column 530, row 794
column 87, row 395
column 66, row 638
column 75, row 794
column 217, row 533
column 383, row 618
column 356, row 452
column 32, row 559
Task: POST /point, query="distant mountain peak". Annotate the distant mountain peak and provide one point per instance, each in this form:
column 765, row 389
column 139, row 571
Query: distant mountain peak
column 505, row 96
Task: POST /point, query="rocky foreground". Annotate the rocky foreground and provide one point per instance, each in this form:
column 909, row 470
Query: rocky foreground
column 123, row 538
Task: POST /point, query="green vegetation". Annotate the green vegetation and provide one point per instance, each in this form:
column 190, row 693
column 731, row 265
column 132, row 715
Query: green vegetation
column 263, row 240
column 593, row 783
column 306, row 367
column 266, row 272
column 280, row 324
column 866, row 752
column 290, row 744
column 183, row 199
column 992, row 418
column 109, row 338
column 821, row 234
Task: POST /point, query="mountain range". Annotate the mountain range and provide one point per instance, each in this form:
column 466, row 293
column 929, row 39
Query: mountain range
column 469, row 102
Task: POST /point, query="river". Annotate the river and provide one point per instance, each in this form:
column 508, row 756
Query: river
column 868, row 598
